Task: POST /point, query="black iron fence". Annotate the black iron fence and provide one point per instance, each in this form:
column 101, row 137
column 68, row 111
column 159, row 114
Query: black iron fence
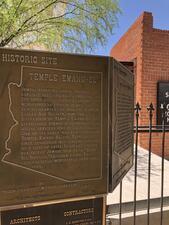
column 116, row 211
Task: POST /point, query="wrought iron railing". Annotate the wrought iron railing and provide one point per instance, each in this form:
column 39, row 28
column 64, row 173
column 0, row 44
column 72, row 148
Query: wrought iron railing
column 118, row 208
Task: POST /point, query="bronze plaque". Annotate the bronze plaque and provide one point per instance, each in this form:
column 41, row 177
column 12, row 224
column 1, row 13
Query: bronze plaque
column 84, row 212
column 121, row 132
column 54, row 126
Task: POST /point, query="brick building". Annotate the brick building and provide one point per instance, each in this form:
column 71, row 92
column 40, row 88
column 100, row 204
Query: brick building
column 148, row 49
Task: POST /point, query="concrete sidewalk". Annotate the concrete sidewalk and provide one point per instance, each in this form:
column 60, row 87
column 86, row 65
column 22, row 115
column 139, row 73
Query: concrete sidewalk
column 142, row 219
column 142, row 180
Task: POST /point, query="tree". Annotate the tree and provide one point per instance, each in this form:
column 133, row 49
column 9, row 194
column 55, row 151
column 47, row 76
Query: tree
column 68, row 25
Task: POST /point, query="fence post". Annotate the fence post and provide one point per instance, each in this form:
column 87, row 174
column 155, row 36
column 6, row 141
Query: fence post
column 163, row 109
column 137, row 110
column 150, row 110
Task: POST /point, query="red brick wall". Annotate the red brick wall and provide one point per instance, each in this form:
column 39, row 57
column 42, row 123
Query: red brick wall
column 150, row 47
column 129, row 48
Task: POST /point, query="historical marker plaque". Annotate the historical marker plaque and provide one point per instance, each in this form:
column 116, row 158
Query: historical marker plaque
column 162, row 101
column 121, row 136
column 54, row 126
column 84, row 212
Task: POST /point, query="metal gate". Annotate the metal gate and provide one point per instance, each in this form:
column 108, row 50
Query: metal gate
column 149, row 210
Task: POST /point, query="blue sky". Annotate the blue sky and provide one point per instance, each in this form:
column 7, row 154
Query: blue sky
column 131, row 9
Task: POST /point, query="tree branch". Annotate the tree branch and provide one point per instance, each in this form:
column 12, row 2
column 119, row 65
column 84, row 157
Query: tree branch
column 17, row 8
column 84, row 23
column 2, row 3
column 56, row 17
column 7, row 40
column 79, row 7
column 14, row 15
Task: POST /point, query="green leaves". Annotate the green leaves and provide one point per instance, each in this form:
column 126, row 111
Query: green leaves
column 68, row 25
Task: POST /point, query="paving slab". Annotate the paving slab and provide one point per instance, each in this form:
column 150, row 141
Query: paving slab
column 142, row 180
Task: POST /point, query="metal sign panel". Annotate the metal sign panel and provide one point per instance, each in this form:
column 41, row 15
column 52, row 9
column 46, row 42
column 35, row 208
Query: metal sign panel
column 88, row 212
column 162, row 99
column 54, row 126
column 121, row 136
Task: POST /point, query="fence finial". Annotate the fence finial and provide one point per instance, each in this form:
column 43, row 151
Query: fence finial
column 137, row 108
column 150, row 107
